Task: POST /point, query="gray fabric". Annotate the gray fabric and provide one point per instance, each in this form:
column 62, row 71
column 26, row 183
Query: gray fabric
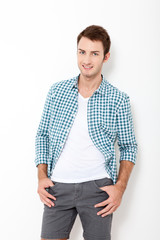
column 73, row 199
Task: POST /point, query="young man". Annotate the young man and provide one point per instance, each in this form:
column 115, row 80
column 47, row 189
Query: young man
column 75, row 153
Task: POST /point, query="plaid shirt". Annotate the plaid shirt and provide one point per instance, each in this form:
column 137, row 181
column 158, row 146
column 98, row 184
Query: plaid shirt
column 109, row 118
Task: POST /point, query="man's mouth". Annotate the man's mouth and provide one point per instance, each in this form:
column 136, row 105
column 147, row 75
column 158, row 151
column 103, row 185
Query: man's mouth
column 87, row 67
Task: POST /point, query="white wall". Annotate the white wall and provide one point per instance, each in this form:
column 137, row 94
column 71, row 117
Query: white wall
column 37, row 48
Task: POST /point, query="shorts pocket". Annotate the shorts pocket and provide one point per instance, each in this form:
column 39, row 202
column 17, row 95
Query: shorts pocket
column 102, row 182
column 55, row 185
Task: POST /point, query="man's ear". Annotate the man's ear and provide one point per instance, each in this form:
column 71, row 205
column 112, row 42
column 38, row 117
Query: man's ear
column 106, row 57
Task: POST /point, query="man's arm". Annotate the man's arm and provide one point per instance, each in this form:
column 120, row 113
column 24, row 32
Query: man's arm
column 42, row 136
column 125, row 132
column 125, row 170
column 42, row 151
column 116, row 191
column 42, row 171
column 43, row 183
column 128, row 150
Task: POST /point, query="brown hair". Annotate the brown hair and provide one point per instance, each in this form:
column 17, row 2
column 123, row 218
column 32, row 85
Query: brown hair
column 96, row 33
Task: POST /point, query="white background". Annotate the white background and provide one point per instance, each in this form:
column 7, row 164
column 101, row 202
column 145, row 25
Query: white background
column 38, row 48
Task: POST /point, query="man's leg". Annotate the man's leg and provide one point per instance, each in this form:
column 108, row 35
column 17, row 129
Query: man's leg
column 54, row 239
column 94, row 226
column 58, row 220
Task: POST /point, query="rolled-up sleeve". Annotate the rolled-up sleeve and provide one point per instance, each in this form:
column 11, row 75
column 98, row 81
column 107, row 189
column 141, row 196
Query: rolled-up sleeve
column 126, row 139
column 42, row 136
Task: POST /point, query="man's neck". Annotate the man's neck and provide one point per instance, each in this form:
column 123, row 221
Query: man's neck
column 87, row 86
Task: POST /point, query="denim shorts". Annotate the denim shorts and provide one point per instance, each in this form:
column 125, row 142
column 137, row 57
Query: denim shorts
column 73, row 199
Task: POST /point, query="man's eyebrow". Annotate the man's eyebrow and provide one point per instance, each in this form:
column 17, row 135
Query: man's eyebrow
column 84, row 50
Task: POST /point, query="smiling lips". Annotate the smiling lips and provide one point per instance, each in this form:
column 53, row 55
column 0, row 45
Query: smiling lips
column 86, row 67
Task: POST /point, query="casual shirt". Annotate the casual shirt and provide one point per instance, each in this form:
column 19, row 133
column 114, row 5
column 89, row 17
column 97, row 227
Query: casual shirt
column 80, row 160
column 109, row 119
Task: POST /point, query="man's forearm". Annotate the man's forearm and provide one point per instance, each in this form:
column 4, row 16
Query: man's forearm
column 42, row 171
column 124, row 174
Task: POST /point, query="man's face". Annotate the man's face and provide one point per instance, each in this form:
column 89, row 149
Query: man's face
column 90, row 57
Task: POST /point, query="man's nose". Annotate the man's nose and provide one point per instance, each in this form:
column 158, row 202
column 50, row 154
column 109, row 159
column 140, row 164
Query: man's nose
column 87, row 59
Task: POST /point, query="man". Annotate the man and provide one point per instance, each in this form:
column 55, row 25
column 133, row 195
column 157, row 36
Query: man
column 75, row 153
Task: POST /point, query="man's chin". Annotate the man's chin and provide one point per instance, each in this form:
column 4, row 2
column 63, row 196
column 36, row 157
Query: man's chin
column 87, row 75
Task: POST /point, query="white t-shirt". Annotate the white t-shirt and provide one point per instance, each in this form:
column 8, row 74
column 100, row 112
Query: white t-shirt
column 79, row 160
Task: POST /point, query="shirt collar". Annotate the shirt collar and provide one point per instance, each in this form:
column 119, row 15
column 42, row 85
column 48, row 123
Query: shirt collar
column 101, row 89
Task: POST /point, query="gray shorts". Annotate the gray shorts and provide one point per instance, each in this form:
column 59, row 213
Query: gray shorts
column 73, row 198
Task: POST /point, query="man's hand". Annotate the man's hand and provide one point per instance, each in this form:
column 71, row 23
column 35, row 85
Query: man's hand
column 113, row 202
column 44, row 195
column 116, row 191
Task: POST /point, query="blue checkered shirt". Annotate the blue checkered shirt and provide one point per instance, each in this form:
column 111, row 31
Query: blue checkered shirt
column 109, row 118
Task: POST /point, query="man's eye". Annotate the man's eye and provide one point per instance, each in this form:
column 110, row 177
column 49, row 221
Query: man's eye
column 81, row 52
column 96, row 54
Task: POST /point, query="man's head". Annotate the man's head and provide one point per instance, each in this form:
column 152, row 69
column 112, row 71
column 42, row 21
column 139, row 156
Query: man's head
column 96, row 33
column 93, row 45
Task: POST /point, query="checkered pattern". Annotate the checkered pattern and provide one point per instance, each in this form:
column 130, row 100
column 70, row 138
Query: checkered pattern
column 109, row 118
